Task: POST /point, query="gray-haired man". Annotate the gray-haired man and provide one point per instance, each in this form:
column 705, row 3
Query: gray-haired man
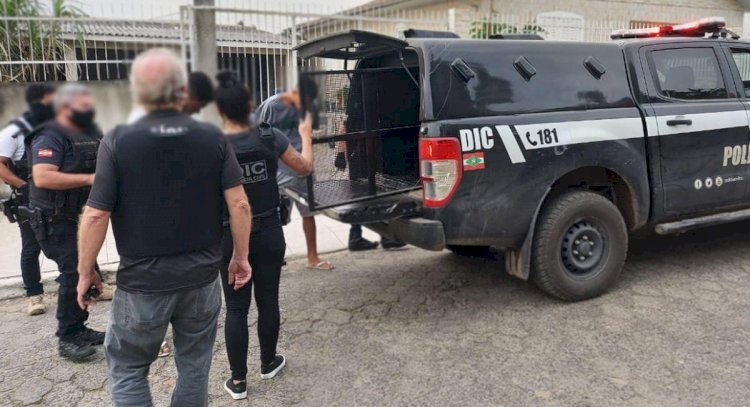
column 63, row 159
column 163, row 181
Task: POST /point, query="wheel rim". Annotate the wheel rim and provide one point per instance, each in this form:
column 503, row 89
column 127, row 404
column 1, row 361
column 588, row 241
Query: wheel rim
column 582, row 248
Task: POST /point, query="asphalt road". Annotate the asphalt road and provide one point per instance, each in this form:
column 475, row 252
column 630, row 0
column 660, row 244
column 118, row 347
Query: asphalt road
column 420, row 328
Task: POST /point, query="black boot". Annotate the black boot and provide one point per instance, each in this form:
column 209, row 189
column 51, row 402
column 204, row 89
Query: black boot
column 361, row 244
column 387, row 243
column 73, row 351
column 88, row 336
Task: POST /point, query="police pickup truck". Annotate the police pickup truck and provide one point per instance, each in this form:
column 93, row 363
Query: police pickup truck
column 553, row 152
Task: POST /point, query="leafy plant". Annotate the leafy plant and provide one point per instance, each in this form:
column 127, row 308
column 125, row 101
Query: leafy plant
column 32, row 36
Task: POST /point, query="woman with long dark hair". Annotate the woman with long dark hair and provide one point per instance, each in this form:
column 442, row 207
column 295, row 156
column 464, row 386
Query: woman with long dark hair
column 258, row 151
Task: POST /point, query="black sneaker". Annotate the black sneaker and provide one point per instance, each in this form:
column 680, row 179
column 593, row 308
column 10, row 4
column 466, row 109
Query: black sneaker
column 269, row 371
column 386, row 243
column 88, row 336
column 361, row 244
column 237, row 391
column 73, row 351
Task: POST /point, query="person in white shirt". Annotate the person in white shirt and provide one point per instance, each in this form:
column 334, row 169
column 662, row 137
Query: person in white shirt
column 14, row 172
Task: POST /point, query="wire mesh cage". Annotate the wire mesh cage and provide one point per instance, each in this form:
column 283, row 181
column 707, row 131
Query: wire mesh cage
column 365, row 144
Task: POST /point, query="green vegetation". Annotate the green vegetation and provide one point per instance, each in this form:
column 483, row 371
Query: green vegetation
column 26, row 37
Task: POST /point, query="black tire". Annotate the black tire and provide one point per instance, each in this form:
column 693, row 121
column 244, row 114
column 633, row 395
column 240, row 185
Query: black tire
column 574, row 222
column 471, row 251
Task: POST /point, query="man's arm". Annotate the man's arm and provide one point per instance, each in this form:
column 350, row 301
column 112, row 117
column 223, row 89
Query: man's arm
column 92, row 231
column 240, row 222
column 8, row 149
column 49, row 176
column 94, row 222
column 301, row 163
column 7, row 175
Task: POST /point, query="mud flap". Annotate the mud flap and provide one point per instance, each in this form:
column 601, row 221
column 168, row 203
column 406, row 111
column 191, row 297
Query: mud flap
column 518, row 261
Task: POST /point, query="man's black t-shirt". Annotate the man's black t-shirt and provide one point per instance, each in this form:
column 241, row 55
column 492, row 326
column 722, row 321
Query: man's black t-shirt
column 174, row 271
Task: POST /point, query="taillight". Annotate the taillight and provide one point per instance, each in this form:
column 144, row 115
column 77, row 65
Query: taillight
column 440, row 169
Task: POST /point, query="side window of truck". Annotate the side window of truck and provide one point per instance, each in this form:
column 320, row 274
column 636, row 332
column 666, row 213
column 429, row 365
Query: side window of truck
column 742, row 61
column 688, row 74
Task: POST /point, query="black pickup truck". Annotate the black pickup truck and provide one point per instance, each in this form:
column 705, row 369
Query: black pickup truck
column 553, row 152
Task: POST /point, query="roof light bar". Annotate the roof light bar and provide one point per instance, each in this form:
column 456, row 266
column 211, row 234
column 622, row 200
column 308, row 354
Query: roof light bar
column 700, row 28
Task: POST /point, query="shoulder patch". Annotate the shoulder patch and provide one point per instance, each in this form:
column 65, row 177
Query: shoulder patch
column 45, row 153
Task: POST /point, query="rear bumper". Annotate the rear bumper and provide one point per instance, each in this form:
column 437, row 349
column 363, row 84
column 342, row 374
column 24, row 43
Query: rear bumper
column 424, row 233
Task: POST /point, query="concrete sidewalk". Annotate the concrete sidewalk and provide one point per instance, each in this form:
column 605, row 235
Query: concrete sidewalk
column 332, row 236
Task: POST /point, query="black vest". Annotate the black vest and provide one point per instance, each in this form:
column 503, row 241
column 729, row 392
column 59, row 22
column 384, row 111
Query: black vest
column 66, row 203
column 170, row 194
column 259, row 162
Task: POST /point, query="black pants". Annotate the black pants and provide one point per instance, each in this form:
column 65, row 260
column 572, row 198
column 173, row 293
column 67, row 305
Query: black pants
column 32, row 277
column 267, row 249
column 60, row 246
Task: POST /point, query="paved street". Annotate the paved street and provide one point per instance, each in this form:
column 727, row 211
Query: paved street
column 420, row 328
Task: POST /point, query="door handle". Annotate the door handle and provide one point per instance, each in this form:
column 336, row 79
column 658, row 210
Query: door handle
column 679, row 122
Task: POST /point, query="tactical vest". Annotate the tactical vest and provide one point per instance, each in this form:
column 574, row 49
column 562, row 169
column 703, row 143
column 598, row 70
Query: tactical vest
column 169, row 180
column 259, row 162
column 67, row 203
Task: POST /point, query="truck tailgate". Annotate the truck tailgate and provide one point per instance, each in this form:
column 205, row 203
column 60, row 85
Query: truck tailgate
column 378, row 210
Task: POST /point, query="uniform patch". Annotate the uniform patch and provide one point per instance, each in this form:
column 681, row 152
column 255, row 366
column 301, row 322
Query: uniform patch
column 255, row 171
column 473, row 161
column 45, row 153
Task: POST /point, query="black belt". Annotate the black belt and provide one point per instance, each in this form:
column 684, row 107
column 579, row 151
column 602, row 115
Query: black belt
column 260, row 217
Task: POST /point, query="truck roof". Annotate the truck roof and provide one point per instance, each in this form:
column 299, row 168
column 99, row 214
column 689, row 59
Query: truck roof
column 499, row 43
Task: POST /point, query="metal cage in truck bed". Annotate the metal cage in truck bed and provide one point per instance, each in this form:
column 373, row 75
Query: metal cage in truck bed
column 367, row 123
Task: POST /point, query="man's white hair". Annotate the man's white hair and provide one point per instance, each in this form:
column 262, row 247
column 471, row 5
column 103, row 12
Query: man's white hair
column 68, row 93
column 158, row 78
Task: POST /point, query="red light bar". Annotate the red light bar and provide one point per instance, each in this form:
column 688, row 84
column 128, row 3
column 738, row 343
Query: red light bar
column 698, row 28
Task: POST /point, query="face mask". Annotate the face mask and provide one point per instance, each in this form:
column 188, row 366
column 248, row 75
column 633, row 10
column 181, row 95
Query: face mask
column 83, row 119
column 41, row 112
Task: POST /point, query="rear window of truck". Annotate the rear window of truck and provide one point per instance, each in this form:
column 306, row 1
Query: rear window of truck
column 560, row 81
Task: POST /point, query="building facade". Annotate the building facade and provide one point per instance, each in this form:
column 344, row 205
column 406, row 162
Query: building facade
column 574, row 20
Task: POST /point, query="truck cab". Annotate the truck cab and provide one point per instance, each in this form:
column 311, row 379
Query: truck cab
column 553, row 152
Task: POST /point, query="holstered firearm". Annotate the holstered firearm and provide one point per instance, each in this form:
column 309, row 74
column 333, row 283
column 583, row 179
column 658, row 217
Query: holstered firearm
column 10, row 209
column 285, row 209
column 18, row 197
column 37, row 221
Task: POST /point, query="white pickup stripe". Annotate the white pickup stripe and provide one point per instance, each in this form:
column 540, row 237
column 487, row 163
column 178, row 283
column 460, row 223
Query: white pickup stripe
column 545, row 135
column 511, row 145
column 701, row 122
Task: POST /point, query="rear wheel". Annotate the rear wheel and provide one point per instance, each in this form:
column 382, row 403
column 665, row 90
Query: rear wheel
column 579, row 247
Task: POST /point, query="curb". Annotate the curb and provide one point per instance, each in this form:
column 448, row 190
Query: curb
column 12, row 287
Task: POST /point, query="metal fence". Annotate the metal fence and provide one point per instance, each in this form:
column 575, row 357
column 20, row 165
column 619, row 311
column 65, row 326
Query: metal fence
column 38, row 44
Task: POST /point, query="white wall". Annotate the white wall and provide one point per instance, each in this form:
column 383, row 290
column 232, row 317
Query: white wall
column 113, row 102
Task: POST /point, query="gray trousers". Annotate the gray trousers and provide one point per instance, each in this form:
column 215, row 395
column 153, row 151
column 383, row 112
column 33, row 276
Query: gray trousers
column 137, row 325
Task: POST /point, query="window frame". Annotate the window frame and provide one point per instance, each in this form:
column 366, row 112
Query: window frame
column 724, row 71
column 736, row 76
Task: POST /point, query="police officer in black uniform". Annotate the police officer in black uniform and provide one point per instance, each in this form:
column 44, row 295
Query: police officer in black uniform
column 258, row 151
column 62, row 156
column 14, row 171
